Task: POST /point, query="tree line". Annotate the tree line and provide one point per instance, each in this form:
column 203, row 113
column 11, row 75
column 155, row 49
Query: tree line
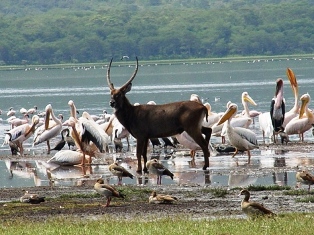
column 80, row 31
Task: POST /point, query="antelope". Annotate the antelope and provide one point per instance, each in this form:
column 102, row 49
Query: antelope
column 156, row 121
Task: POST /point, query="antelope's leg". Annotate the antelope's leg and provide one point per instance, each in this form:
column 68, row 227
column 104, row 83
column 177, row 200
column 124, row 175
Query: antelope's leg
column 198, row 138
column 207, row 131
column 144, row 153
column 139, row 150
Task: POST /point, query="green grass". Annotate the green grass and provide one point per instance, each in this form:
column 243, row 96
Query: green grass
column 267, row 187
column 294, row 223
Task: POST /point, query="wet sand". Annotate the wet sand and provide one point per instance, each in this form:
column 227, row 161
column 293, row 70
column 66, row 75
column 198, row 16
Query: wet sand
column 195, row 201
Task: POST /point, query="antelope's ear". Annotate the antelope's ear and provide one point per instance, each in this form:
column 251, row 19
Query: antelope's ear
column 128, row 88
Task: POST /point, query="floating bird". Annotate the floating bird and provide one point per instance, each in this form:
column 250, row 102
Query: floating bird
column 161, row 198
column 253, row 209
column 119, row 171
column 304, row 177
column 277, row 108
column 11, row 112
column 48, row 131
column 21, row 133
column 14, row 122
column 107, row 190
column 31, row 198
column 241, row 138
column 301, row 123
column 156, row 168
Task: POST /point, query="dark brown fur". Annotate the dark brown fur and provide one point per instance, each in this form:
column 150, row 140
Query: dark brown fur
column 154, row 121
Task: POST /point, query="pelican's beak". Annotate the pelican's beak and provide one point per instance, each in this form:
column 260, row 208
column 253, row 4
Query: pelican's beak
column 249, row 99
column 47, row 119
column 292, row 79
column 304, row 101
column 228, row 114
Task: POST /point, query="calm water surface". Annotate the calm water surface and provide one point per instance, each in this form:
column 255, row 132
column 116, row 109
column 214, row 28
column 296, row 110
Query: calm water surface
column 87, row 87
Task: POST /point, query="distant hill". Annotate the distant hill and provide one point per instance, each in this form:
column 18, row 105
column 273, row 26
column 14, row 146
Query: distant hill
column 72, row 31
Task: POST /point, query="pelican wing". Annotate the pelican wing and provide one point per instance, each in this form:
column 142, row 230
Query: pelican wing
column 90, row 133
column 246, row 134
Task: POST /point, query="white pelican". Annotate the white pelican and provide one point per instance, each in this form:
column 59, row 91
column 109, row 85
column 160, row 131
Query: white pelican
column 21, row 133
column 14, row 122
column 67, row 158
column 11, row 112
column 107, row 190
column 32, row 110
column 265, row 125
column 51, row 129
column 212, row 116
column 241, row 138
column 195, row 98
column 241, row 120
column 84, row 132
column 277, row 108
column 246, row 99
column 294, row 112
column 302, row 123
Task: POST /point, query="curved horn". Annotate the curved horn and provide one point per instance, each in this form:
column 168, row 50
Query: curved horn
column 110, row 84
column 132, row 77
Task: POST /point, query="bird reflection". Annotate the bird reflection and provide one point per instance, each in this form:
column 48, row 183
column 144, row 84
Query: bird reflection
column 207, row 177
column 142, row 180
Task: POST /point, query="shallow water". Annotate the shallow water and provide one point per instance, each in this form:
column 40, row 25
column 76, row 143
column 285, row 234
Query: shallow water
column 167, row 83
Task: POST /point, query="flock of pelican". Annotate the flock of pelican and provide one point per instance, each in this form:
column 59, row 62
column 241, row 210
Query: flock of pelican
column 91, row 136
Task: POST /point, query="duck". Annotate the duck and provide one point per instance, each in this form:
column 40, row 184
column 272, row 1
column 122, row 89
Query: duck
column 157, row 168
column 107, row 190
column 31, row 198
column 161, row 198
column 304, row 177
column 119, row 171
column 253, row 209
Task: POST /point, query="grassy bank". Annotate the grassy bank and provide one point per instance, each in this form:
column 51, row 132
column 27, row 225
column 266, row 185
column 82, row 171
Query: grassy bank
column 294, row 223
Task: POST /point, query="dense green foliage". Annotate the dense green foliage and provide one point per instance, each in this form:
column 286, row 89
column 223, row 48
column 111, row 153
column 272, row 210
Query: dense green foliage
column 77, row 31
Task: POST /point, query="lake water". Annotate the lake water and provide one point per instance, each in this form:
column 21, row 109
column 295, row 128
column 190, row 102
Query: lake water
column 87, row 87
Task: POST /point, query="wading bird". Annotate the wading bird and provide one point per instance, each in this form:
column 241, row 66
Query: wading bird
column 21, row 133
column 241, row 138
column 277, row 108
column 51, row 129
column 157, row 168
column 119, row 171
column 304, row 121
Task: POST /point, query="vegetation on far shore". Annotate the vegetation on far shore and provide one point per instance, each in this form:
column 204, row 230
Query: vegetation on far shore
column 60, row 32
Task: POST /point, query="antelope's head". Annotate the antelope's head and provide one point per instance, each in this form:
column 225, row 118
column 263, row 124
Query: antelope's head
column 118, row 95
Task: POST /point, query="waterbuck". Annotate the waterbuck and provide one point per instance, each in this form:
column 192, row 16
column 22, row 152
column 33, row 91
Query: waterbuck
column 155, row 121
